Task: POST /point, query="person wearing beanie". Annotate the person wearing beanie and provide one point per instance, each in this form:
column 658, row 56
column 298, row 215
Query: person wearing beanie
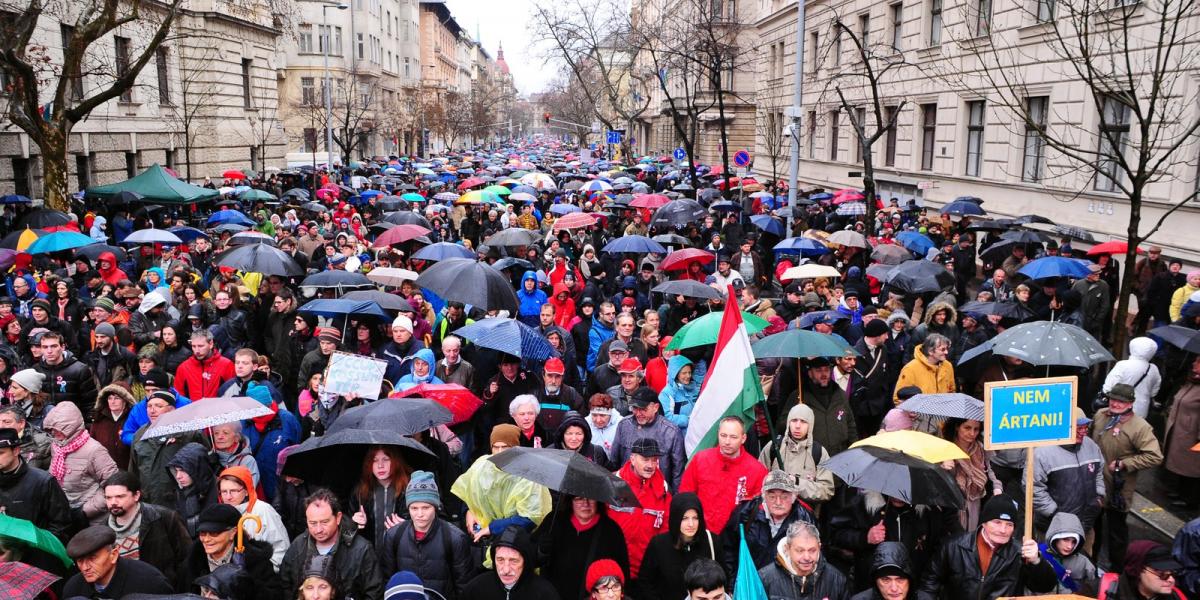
column 405, row 585
column 801, row 455
column 315, row 361
column 514, row 577
column 496, row 501
column 988, row 561
column 399, row 351
column 875, row 372
column 109, row 360
column 605, row 579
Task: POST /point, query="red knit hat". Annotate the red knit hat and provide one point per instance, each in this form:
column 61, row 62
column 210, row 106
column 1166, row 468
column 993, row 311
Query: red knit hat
column 603, row 568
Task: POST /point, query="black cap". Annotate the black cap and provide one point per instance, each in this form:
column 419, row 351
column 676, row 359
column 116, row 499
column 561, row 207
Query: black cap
column 999, row 508
column 647, row 447
column 90, row 540
column 9, row 438
column 875, row 327
column 1159, row 557
column 794, row 288
column 817, row 361
column 643, row 397
column 218, row 518
column 587, row 301
column 157, row 378
column 907, row 392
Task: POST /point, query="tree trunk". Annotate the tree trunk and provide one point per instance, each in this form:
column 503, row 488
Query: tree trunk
column 868, row 185
column 54, row 165
column 1133, row 234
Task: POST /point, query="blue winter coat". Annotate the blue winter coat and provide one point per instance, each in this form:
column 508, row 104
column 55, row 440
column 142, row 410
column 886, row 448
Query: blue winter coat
column 530, row 303
column 597, row 335
column 677, row 399
column 281, row 432
column 138, row 417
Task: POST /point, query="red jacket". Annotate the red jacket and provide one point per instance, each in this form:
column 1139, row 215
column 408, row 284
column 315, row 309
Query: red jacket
column 196, row 380
column 641, row 524
column 721, row 483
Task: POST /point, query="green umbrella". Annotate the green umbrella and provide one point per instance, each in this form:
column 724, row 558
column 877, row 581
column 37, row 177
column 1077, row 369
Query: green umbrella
column 30, row 535
column 706, row 329
column 499, row 190
column 253, row 195
column 801, row 343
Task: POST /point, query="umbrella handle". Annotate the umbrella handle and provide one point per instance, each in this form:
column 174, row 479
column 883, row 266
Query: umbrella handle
column 241, row 531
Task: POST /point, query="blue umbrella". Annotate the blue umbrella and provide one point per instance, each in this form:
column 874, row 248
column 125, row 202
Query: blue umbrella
column 638, row 244
column 562, row 209
column 59, row 240
column 371, row 193
column 768, row 224
column 222, row 217
column 802, row 246
column 915, row 242
column 343, row 308
column 1055, row 266
column 509, row 336
column 187, row 234
column 14, row 199
column 525, row 189
column 963, row 208
column 821, row 316
column 442, row 251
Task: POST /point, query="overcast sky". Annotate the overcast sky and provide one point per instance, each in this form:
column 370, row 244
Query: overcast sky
column 506, row 22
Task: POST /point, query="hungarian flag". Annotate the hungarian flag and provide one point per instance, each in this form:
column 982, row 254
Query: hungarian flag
column 731, row 387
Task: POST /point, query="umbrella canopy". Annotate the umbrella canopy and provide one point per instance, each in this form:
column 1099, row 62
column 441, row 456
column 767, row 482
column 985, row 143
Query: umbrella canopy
column 399, row 234
column 1025, row 236
column 1011, row 310
column 461, row 403
column 1109, row 247
column 810, row 319
column 896, row 474
column 58, row 241
column 227, row 216
column 229, row 228
column 574, row 220
column 768, row 224
column 347, row 448
column 1181, row 337
column 187, row 234
column 845, row 237
column 917, row 276
column 929, row 448
column 251, row 237
column 40, row 218
column 15, row 199
column 810, row 271
column 802, row 246
column 1051, row 343
column 259, row 258
column 405, row 416
column 385, row 300
column 407, row 217
column 801, row 343
column 442, row 251
column 680, row 259
column 1055, row 266
column 20, row 239
column 963, row 208
column 705, row 330
column 672, row 239
column 637, row 244
column 566, row 471
column 890, row 254
column 470, row 282
column 688, row 288
column 207, row 413
column 509, row 336
column 391, row 276
column 678, row 213
column 155, row 184
column 19, row 581
column 509, row 262
column 958, row 406
column 650, row 201
column 94, row 251
column 35, row 537
column 916, row 242
column 512, row 238
column 557, row 209
column 152, row 236
column 337, row 280
column 341, row 307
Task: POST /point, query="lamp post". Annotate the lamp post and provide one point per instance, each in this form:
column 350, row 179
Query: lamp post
column 797, row 99
column 327, row 42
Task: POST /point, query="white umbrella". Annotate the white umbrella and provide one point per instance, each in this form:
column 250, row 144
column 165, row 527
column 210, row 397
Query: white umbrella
column 810, row 271
column 392, row 276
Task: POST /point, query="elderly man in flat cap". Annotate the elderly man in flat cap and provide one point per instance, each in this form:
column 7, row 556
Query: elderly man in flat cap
column 104, row 573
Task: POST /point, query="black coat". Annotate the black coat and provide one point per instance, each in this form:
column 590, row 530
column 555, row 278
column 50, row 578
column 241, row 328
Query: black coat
column 131, row 577
column 256, row 560
column 355, row 565
column 289, row 503
column 872, row 395
column 70, row 381
column 565, row 553
column 442, row 559
column 34, row 495
column 758, row 533
column 954, row 572
column 663, row 564
column 164, row 543
column 487, row 586
column 921, row 529
column 826, row 583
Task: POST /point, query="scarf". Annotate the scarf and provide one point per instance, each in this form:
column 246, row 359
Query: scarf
column 260, row 423
column 1116, row 418
column 60, row 450
column 580, row 526
column 971, row 474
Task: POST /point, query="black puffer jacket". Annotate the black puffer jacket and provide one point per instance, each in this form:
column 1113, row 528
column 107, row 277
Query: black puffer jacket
column 193, row 459
column 70, row 381
column 355, row 565
column 565, row 553
column 954, row 573
column 666, row 558
column 442, row 559
column 762, row 544
column 589, row 450
column 33, row 495
column 781, row 582
column 530, row 586
column 889, row 554
column 164, row 543
column 920, row 528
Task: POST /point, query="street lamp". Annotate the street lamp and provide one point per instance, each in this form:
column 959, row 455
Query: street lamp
column 328, row 33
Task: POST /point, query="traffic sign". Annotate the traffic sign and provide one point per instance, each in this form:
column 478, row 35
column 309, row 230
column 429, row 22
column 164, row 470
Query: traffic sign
column 614, row 136
column 742, row 158
column 679, row 154
column 1029, row 412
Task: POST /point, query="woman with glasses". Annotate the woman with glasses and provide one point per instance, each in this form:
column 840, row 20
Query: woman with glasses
column 577, row 534
column 235, row 487
column 605, row 580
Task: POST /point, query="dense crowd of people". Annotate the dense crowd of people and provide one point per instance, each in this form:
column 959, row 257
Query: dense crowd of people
column 101, row 341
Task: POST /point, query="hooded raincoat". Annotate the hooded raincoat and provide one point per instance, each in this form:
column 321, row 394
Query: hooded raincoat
column 677, row 399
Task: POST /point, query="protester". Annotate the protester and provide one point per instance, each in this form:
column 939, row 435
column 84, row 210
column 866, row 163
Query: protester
column 724, row 476
column 514, row 577
column 800, row 571
column 355, row 566
column 152, row 534
column 891, row 573
column 216, row 546
column 435, row 549
column 670, row 554
column 104, row 573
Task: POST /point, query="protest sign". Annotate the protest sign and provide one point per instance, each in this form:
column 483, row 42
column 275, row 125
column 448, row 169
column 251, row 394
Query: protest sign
column 352, row 373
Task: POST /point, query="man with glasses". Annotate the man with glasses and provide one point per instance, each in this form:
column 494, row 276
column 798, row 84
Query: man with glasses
column 626, row 331
column 608, row 374
column 602, row 330
column 1149, row 573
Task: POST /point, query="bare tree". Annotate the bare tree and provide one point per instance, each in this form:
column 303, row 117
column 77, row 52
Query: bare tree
column 48, row 96
column 568, row 103
column 354, row 112
column 1135, row 60
column 198, row 97
column 769, row 124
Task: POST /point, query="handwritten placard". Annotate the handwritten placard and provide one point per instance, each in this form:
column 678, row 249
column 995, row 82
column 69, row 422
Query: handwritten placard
column 353, row 373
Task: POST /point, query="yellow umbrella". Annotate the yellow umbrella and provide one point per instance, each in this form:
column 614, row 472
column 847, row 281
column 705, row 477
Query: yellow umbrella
column 914, row 443
column 27, row 237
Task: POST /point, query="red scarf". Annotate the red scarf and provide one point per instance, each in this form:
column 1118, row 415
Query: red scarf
column 260, row 423
column 580, row 527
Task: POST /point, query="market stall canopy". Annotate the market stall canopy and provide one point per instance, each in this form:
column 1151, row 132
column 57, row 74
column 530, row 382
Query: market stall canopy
column 155, row 185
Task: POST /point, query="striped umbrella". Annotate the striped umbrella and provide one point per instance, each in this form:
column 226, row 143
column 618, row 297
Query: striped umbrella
column 509, row 336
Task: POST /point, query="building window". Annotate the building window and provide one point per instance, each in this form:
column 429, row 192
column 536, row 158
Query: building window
column 975, row 123
column 164, row 79
column 305, row 37
column 323, row 46
column 812, row 134
column 864, row 31
column 928, row 135
column 815, row 52
column 774, row 59
column 359, row 53
column 935, row 22
column 75, row 87
column 131, row 164
column 247, row 102
column 121, row 49
column 897, row 26
column 1035, row 143
column 407, row 68
column 860, row 114
column 1114, row 134
column 1045, row 11
column 889, row 136
column 834, row 135
column 983, row 18
column 364, row 94
column 22, row 177
column 83, row 171
column 310, row 140
column 837, row 46
column 308, row 91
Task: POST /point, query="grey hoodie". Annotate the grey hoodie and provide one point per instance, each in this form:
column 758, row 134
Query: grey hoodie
column 1081, row 569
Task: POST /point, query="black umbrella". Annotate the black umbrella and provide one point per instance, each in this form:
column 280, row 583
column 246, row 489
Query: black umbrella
column 1050, row 343
column 338, row 280
column 672, row 239
column 405, row 416
column 1179, row 336
column 335, row 459
column 392, row 203
column 678, row 213
column 11, row 240
column 42, row 217
column 509, row 262
column 1027, row 219
column 93, row 252
column 316, row 207
column 385, row 300
column 470, row 282
column 999, row 251
column 688, row 288
column 917, row 276
column 1024, row 236
column 407, row 217
column 259, row 258
column 988, row 225
column 513, row 237
column 568, row 472
column 894, row 474
column 1011, row 310
column 123, row 197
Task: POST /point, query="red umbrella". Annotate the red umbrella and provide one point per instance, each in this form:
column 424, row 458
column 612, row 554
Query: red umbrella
column 574, row 221
column 171, row 172
column 461, row 402
column 19, row 581
column 399, row 234
column 1111, row 247
column 470, row 182
column 233, row 174
column 716, row 170
column 680, row 259
column 651, row 201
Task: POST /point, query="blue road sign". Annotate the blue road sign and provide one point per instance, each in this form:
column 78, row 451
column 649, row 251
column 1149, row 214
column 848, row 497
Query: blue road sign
column 679, row 154
column 614, row 137
column 1029, row 412
column 742, row 158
